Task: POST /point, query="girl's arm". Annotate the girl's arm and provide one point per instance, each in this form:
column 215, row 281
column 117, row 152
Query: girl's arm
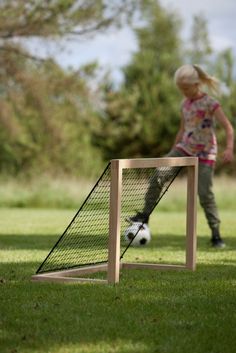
column 228, row 154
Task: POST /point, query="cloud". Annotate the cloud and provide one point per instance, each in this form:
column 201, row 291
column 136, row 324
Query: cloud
column 213, row 8
column 114, row 48
column 220, row 42
column 219, row 14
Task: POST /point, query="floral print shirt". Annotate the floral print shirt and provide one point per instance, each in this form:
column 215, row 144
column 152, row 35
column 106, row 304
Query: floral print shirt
column 199, row 137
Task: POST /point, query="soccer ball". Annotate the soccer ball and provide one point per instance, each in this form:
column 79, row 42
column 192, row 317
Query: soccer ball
column 139, row 232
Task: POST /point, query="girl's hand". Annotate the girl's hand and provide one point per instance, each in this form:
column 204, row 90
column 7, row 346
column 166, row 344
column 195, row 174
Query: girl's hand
column 228, row 155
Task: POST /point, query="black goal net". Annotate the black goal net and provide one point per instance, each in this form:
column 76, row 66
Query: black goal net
column 85, row 241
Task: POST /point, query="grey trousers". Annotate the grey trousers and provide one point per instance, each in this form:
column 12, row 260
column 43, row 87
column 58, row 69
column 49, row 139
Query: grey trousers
column 205, row 190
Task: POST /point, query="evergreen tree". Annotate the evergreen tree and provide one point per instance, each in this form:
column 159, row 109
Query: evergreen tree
column 199, row 50
column 224, row 70
column 142, row 117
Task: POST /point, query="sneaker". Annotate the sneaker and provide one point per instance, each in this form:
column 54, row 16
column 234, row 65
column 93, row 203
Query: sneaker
column 217, row 242
column 139, row 217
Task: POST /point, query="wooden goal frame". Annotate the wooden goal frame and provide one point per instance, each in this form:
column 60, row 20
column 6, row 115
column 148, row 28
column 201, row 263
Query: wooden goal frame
column 114, row 265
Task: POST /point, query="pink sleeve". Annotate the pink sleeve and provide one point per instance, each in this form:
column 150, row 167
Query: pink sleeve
column 213, row 105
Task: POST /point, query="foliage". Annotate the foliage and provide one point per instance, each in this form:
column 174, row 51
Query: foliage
column 47, row 112
column 46, row 115
column 141, row 118
column 199, row 47
column 56, row 18
column 225, row 70
column 52, row 119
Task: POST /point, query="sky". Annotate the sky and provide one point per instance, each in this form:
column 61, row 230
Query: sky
column 114, row 49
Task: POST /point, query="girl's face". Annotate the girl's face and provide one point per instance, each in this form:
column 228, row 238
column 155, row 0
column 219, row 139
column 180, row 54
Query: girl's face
column 189, row 90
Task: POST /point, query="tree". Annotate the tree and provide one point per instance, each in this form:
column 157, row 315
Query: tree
column 56, row 18
column 224, row 66
column 224, row 70
column 199, row 51
column 46, row 112
column 46, row 116
column 142, row 117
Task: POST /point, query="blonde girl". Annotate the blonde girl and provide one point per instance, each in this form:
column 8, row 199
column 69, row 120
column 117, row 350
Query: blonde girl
column 196, row 137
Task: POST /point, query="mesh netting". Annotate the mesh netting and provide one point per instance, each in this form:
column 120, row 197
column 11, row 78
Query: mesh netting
column 85, row 240
column 142, row 190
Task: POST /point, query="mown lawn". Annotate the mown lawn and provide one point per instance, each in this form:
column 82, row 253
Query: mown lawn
column 147, row 312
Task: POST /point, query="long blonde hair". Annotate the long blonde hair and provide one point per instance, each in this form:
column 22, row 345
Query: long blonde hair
column 192, row 74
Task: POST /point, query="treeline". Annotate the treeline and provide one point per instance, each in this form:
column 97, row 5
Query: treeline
column 143, row 116
column 53, row 120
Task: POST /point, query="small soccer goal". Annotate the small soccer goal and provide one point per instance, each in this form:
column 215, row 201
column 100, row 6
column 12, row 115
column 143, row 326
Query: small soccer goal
column 97, row 240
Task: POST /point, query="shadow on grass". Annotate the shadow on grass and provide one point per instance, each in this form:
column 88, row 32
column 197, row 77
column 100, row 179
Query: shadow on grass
column 28, row 242
column 177, row 242
column 46, row 242
column 204, row 244
column 196, row 307
column 165, row 242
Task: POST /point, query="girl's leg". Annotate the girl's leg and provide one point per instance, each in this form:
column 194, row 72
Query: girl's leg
column 208, row 203
column 157, row 181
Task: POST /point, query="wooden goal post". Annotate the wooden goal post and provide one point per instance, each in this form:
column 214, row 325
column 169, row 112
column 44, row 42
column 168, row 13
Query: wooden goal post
column 114, row 264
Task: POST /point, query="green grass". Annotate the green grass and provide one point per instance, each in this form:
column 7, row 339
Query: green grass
column 45, row 192
column 149, row 311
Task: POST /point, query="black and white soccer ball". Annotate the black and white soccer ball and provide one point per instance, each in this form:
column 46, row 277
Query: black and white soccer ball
column 139, row 232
